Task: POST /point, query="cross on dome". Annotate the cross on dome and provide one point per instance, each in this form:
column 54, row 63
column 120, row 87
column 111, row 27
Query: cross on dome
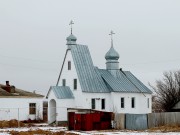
column 71, row 23
column 112, row 54
column 71, row 39
column 111, row 34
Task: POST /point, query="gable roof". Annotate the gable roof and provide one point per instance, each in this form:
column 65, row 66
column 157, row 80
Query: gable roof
column 89, row 79
column 97, row 80
column 18, row 93
column 62, row 92
column 124, row 81
column 4, row 93
column 137, row 82
column 94, row 80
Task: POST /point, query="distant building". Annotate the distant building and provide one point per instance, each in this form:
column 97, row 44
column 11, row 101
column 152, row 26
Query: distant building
column 82, row 85
column 19, row 104
column 176, row 107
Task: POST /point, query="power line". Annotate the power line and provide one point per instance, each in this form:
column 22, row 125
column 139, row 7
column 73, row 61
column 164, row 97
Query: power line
column 35, row 60
column 42, row 61
column 153, row 62
column 20, row 66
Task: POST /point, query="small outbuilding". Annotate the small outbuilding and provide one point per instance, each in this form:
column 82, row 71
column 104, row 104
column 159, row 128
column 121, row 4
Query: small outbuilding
column 19, row 104
column 176, row 107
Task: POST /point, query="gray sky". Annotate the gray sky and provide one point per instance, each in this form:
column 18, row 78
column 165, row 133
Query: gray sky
column 33, row 37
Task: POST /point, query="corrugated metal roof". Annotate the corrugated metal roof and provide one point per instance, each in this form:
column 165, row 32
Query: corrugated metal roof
column 123, row 82
column 97, row 80
column 118, row 84
column 137, row 82
column 89, row 79
column 62, row 92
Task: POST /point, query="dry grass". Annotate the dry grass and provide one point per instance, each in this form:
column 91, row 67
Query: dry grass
column 166, row 128
column 10, row 124
column 40, row 132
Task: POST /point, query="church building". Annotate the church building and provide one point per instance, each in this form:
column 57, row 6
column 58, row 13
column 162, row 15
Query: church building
column 85, row 86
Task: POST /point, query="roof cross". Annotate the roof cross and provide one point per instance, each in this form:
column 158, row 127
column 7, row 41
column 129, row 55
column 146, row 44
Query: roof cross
column 71, row 23
column 111, row 33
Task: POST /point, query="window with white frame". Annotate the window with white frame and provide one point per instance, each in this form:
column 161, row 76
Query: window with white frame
column 103, row 104
column 133, row 102
column 75, row 84
column 122, row 102
column 93, row 103
column 69, row 65
column 148, row 103
column 32, row 108
column 63, row 82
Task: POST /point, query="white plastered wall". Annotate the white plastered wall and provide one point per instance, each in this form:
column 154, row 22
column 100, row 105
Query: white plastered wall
column 98, row 101
column 61, row 107
column 70, row 75
column 141, row 103
column 18, row 108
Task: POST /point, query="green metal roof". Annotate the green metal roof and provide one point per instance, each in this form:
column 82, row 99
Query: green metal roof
column 96, row 80
column 89, row 79
column 124, row 82
column 62, row 92
column 137, row 82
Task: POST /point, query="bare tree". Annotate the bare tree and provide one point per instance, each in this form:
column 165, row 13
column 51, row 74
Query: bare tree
column 167, row 90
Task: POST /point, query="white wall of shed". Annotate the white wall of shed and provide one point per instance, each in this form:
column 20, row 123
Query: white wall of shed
column 18, row 108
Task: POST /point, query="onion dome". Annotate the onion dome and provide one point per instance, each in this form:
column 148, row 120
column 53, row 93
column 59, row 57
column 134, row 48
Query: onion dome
column 71, row 40
column 112, row 54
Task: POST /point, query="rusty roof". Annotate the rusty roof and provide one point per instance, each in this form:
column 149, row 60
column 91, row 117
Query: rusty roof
column 17, row 93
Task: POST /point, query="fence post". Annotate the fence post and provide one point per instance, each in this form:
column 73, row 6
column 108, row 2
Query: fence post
column 18, row 118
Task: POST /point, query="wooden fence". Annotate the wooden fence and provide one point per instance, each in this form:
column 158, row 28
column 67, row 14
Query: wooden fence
column 161, row 119
column 145, row 121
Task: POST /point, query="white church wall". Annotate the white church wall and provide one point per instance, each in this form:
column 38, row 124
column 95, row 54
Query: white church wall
column 70, row 75
column 61, row 105
column 18, row 108
column 141, row 103
column 98, row 101
column 51, row 107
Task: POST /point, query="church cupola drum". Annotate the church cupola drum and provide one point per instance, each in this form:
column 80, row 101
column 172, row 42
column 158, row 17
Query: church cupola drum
column 71, row 39
column 112, row 57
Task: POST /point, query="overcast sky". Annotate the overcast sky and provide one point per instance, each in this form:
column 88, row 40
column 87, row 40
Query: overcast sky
column 33, row 37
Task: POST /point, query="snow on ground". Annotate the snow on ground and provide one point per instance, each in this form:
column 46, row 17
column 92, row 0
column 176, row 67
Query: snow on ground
column 53, row 129
column 125, row 133
column 5, row 131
